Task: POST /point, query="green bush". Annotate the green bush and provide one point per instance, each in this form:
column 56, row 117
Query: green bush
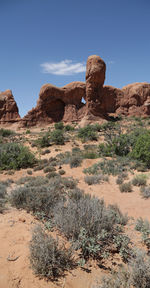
column 6, row 132
column 141, row 149
column 15, row 156
column 95, row 179
column 59, row 126
column 75, row 161
column 57, row 137
column 126, row 187
column 43, row 141
column 145, row 192
column 48, row 258
column 139, row 180
column 87, row 133
column 69, row 128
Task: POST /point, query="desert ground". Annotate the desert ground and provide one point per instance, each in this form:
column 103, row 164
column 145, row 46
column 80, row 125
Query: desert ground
column 74, row 155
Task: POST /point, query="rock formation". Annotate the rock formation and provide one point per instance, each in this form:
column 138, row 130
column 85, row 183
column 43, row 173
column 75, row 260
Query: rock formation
column 8, row 108
column 65, row 104
column 95, row 77
column 57, row 104
column 135, row 100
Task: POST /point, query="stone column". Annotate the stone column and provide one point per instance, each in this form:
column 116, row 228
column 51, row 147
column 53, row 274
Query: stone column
column 95, row 77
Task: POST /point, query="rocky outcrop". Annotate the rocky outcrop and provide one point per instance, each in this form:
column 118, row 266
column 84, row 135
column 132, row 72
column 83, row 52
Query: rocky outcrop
column 65, row 104
column 8, row 108
column 95, row 77
column 57, row 104
column 135, row 100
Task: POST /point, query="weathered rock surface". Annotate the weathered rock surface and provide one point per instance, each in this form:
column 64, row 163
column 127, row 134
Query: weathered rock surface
column 8, row 108
column 65, row 104
column 135, row 100
column 57, row 104
column 95, row 77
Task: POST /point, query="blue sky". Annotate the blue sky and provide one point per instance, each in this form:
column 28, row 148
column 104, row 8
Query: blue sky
column 48, row 41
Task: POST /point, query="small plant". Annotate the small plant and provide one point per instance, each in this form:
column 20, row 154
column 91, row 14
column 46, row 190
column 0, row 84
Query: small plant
column 145, row 192
column 57, row 137
column 28, row 131
column 87, row 133
column 43, row 141
column 139, row 180
column 15, row 156
column 75, row 161
column 126, row 187
column 6, row 132
column 62, row 172
column 69, row 128
column 59, row 126
column 29, row 172
column 95, row 179
column 48, row 258
column 49, row 169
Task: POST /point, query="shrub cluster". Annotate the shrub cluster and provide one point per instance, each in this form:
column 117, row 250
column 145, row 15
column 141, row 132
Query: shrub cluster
column 15, row 156
column 48, row 258
column 136, row 274
column 87, row 133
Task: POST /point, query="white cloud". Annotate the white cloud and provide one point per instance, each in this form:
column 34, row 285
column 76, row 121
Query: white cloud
column 65, row 67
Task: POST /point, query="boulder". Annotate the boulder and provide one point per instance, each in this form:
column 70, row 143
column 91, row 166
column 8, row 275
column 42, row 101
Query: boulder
column 8, row 108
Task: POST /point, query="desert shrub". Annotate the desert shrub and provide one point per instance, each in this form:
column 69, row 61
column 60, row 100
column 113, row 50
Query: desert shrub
column 63, row 158
column 139, row 180
column 28, row 131
column 29, row 172
column 119, row 180
column 109, row 167
column 126, row 187
column 59, row 125
column 88, row 222
column 136, row 274
column 49, row 169
column 143, row 226
column 57, row 137
column 121, row 145
column 46, row 151
column 69, row 182
column 69, row 128
column 48, row 258
column 43, row 141
column 51, row 175
column 6, row 132
column 141, row 149
column 145, row 192
column 87, row 133
column 75, row 161
column 3, row 193
column 15, row 156
column 105, row 150
column 61, row 172
column 95, row 179
column 38, row 195
column 121, row 242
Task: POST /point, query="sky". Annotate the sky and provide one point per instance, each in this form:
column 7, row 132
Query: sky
column 49, row 41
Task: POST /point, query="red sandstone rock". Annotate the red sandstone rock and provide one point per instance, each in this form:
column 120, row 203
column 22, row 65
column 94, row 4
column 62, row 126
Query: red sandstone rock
column 95, row 77
column 8, row 108
column 136, row 100
column 57, row 104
